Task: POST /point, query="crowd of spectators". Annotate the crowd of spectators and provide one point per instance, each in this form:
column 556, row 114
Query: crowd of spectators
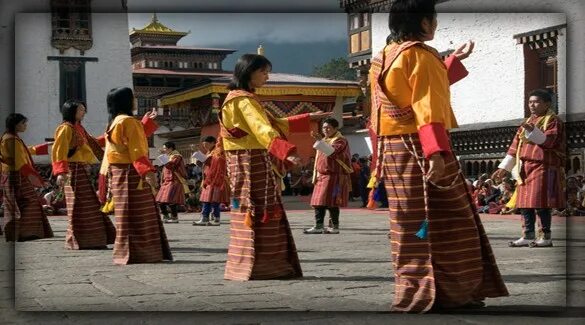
column 488, row 195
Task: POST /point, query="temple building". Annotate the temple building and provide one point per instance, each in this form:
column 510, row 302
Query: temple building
column 64, row 50
column 193, row 111
column 160, row 66
column 514, row 54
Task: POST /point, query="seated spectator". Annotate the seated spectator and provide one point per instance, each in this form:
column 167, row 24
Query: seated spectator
column 499, row 205
column 54, row 202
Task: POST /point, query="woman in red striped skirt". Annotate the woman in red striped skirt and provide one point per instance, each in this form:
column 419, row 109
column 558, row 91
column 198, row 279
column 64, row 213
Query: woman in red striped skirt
column 74, row 151
column 261, row 243
column 441, row 255
column 24, row 218
column 140, row 235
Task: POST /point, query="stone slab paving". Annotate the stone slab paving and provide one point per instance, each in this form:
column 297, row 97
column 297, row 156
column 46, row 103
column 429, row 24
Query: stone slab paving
column 347, row 278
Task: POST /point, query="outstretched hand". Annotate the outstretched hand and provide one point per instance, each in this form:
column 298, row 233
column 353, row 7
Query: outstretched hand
column 151, row 114
column 319, row 115
column 464, row 50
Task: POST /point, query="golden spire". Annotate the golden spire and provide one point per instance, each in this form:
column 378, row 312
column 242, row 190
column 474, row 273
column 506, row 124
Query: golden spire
column 260, row 50
column 157, row 27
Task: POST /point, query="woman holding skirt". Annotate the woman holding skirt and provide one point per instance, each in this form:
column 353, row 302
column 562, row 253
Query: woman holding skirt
column 261, row 243
column 24, row 218
column 140, row 235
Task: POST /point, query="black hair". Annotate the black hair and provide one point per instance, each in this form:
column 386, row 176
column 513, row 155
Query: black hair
column 543, row 94
column 331, row 121
column 69, row 110
column 120, row 101
column 246, row 65
column 12, row 120
column 170, row 145
column 209, row 138
column 405, row 19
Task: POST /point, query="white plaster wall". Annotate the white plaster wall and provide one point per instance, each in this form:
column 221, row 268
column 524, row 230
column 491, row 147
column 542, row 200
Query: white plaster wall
column 571, row 63
column 494, row 89
column 37, row 79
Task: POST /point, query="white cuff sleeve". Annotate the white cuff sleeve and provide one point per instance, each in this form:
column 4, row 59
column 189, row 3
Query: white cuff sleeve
column 324, row 147
column 508, row 163
column 536, row 136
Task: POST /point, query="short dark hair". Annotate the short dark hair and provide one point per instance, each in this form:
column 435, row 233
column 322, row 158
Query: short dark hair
column 69, row 110
column 246, row 65
column 12, row 120
column 543, row 94
column 406, row 16
column 331, row 121
column 170, row 145
column 120, row 101
column 209, row 138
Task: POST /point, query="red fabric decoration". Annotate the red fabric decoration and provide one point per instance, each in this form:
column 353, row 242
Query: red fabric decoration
column 60, row 167
column 455, row 69
column 42, row 149
column 143, row 166
column 433, row 139
column 281, row 149
column 299, row 123
column 149, row 126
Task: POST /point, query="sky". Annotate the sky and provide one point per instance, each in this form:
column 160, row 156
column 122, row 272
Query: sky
column 295, row 42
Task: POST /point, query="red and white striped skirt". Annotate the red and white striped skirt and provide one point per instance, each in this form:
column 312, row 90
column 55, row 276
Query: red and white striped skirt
column 88, row 226
column 331, row 190
column 24, row 218
column 454, row 265
column 140, row 235
column 542, row 187
column 267, row 250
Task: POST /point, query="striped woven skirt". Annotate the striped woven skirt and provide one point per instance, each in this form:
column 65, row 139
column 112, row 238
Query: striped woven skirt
column 266, row 250
column 454, row 265
column 24, row 218
column 88, row 227
column 215, row 194
column 542, row 186
column 171, row 192
column 140, row 235
column 331, row 190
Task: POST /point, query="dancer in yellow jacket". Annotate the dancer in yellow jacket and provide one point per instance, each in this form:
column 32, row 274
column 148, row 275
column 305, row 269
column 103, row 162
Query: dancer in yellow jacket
column 441, row 254
column 140, row 235
column 261, row 243
column 24, row 218
column 74, row 151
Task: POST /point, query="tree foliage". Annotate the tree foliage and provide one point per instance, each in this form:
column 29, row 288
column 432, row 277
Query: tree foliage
column 336, row 69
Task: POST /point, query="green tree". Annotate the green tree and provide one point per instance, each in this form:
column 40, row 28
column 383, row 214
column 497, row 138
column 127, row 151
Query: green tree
column 337, row 69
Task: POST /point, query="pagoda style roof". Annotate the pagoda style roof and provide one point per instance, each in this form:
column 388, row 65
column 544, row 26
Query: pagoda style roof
column 279, row 84
column 179, row 49
column 156, row 27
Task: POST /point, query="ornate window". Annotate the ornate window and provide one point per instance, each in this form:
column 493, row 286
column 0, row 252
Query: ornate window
column 71, row 25
column 540, row 60
column 359, row 33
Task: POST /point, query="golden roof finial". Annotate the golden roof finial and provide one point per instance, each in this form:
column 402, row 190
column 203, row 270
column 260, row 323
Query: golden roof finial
column 154, row 18
column 260, row 50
